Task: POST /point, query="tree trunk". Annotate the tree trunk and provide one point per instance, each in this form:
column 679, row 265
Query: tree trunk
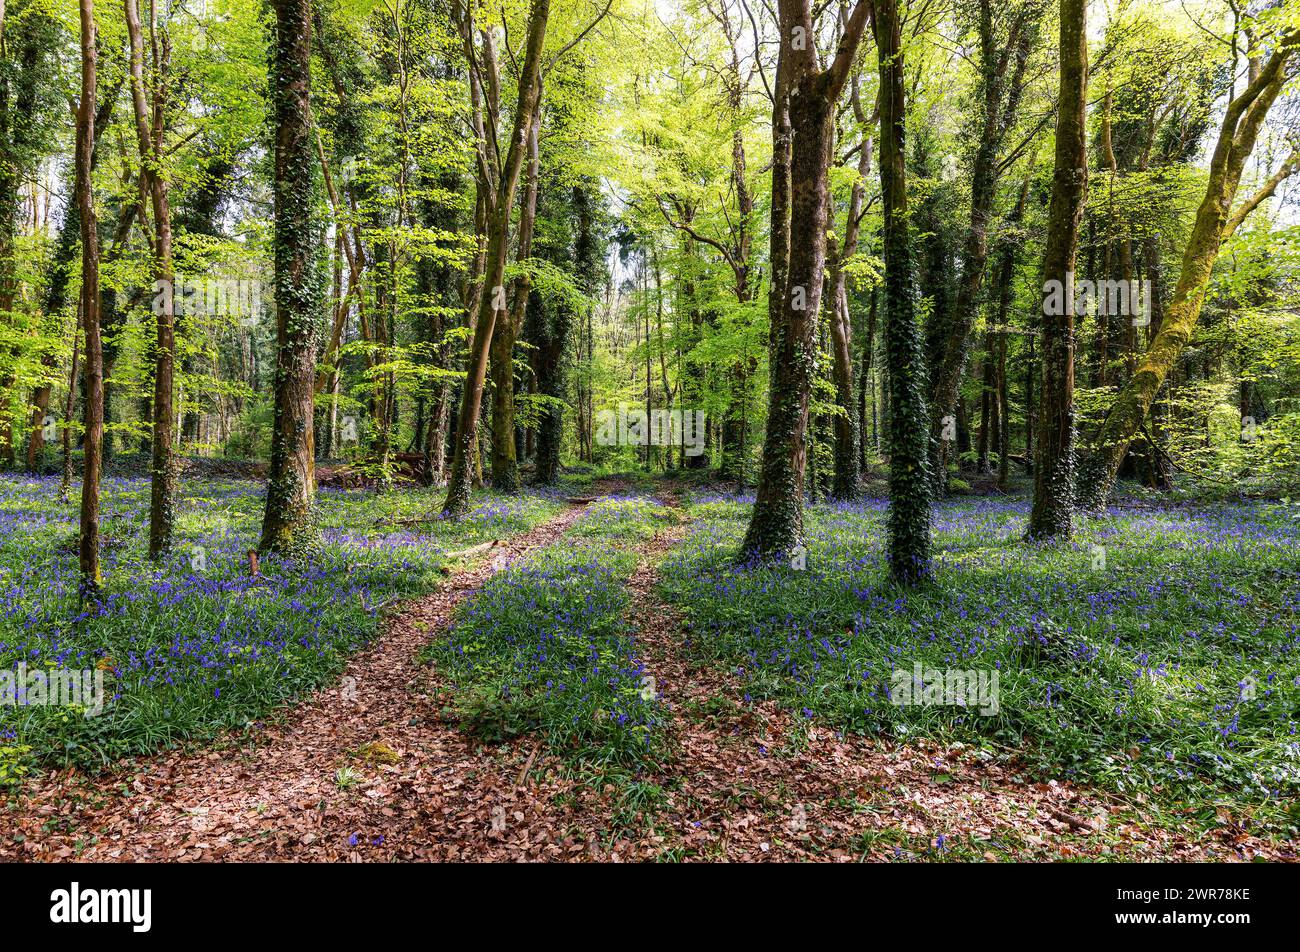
column 492, row 299
column 802, row 133
column 505, row 463
column 909, row 461
column 88, row 541
column 1052, row 515
column 150, row 119
column 287, row 525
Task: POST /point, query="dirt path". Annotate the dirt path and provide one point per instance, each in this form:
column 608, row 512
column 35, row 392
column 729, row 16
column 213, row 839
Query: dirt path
column 282, row 798
column 754, row 782
column 743, row 781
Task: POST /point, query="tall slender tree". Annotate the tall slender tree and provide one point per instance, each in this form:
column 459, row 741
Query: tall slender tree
column 492, row 299
column 88, row 541
column 150, row 107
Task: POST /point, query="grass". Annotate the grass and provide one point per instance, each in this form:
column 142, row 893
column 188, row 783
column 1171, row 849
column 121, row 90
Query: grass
column 1156, row 652
column 194, row 645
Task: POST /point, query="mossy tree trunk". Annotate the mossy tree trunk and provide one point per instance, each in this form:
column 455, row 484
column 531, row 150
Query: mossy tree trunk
column 1052, row 515
column 287, row 525
column 505, row 462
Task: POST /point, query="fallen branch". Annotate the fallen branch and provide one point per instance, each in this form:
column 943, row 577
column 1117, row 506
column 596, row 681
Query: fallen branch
column 469, row 553
column 528, row 764
column 473, row 550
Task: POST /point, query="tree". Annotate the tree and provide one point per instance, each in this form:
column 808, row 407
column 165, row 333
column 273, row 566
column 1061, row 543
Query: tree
column 1052, row 514
column 150, row 126
column 492, row 298
column 291, row 481
column 909, row 475
column 802, row 133
column 848, row 446
column 88, row 535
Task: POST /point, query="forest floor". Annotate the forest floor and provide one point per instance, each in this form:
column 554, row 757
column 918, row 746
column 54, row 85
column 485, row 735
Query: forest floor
column 373, row 768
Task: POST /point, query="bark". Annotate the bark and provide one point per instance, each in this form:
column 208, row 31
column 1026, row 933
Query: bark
column 802, row 131
column 287, row 525
column 1052, row 515
column 505, row 464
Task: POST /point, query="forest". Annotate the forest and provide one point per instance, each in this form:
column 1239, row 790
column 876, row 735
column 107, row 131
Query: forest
column 649, row 430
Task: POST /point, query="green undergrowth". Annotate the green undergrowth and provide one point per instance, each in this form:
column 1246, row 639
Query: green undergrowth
column 1159, row 651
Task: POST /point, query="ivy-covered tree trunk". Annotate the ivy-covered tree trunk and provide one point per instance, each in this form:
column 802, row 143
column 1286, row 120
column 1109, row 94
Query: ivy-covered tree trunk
column 802, row 133
column 492, row 302
column 1052, row 515
column 1237, row 134
column 909, row 474
column 291, row 482
column 88, row 534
